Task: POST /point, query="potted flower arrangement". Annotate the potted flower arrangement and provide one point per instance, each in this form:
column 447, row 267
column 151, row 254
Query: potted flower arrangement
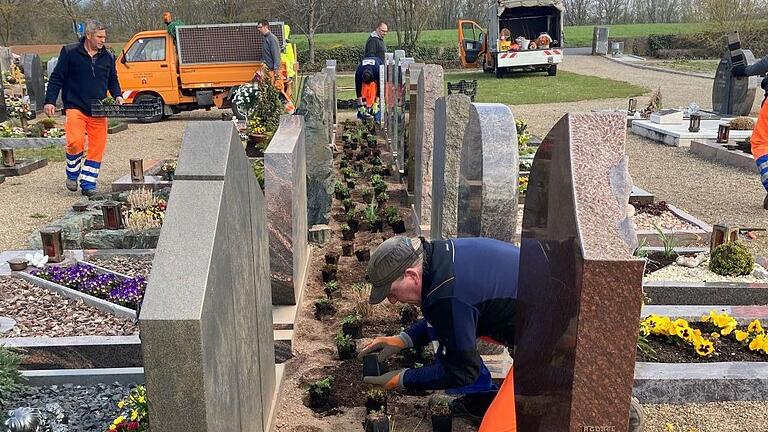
column 169, row 169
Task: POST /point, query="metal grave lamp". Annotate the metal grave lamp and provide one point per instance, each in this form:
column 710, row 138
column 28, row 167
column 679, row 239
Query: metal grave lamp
column 137, row 170
column 723, row 130
column 632, row 106
column 9, row 159
column 694, row 124
column 112, row 216
column 53, row 246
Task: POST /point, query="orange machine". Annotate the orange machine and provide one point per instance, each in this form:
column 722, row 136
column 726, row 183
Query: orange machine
column 197, row 68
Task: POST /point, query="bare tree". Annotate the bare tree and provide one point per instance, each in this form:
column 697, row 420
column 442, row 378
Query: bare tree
column 9, row 11
column 409, row 19
column 308, row 16
column 579, row 12
column 71, row 9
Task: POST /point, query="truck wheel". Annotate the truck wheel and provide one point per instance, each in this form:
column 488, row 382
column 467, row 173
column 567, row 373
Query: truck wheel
column 235, row 110
column 552, row 71
column 149, row 98
column 499, row 72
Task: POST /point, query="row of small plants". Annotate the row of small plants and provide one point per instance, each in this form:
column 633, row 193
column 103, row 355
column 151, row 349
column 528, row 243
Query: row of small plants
column 702, row 337
column 128, row 292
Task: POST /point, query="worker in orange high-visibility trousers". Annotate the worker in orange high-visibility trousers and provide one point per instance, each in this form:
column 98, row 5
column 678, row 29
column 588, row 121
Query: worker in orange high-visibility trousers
column 759, row 139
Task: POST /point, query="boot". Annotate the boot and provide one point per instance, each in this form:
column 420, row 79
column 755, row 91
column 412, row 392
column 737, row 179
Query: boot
column 765, row 202
column 71, row 185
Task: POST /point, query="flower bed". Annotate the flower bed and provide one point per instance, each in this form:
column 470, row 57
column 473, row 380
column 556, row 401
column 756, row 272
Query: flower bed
column 127, row 292
column 716, row 337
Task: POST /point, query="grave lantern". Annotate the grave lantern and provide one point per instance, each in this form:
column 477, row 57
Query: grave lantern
column 694, row 123
column 721, row 234
column 137, row 170
column 112, row 216
column 9, row 159
column 52, row 244
column 632, row 107
column 723, row 130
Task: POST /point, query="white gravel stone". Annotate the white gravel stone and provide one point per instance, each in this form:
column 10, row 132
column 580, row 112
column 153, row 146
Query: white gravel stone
column 666, row 221
column 675, row 272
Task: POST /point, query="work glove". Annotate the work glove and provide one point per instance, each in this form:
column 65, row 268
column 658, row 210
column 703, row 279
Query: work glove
column 739, row 71
column 387, row 346
column 389, row 381
column 375, row 107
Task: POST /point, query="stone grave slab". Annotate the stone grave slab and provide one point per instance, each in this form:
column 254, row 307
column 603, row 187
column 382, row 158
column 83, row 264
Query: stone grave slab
column 23, row 166
column 677, row 135
column 716, row 152
column 319, row 157
column 488, row 174
column 430, row 88
column 331, row 69
column 451, row 121
column 33, row 74
column 207, row 331
column 6, row 324
column 118, row 128
column 285, row 190
column 152, row 180
column 32, row 142
column 580, row 289
column 640, row 196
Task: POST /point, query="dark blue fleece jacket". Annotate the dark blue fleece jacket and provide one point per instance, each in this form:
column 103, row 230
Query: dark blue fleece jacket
column 82, row 79
column 469, row 290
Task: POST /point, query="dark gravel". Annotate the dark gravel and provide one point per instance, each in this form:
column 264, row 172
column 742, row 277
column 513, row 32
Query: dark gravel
column 127, row 265
column 90, row 409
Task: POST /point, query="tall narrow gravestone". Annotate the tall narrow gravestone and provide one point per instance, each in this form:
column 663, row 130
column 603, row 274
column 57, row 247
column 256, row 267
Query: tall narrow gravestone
column 33, row 74
column 430, row 88
column 3, row 108
column 314, row 103
column 600, row 40
column 734, row 95
column 580, row 288
column 206, row 320
column 5, row 59
column 487, row 200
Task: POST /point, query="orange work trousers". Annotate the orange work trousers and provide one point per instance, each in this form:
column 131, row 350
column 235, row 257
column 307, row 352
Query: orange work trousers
column 500, row 416
column 370, row 92
column 77, row 127
column 759, row 144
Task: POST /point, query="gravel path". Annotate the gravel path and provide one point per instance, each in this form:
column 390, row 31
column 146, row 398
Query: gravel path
column 38, row 312
column 711, row 192
column 90, row 409
column 43, row 193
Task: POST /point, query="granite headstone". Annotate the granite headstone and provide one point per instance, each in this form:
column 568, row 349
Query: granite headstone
column 600, row 40
column 206, row 320
column 330, row 66
column 580, row 289
column 3, row 108
column 314, row 100
column 451, row 121
column 430, row 87
column 6, row 59
column 33, row 74
column 734, row 96
column 414, row 72
column 487, row 203
column 285, row 190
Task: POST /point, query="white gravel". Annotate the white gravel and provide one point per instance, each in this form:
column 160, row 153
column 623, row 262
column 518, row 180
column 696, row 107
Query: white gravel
column 666, row 221
column 674, row 272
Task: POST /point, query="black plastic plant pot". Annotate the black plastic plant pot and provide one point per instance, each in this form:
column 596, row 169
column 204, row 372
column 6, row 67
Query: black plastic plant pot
column 377, row 226
column 442, row 423
column 348, row 235
column 350, row 185
column 398, row 227
column 359, row 167
column 329, row 273
column 347, row 249
column 354, row 225
column 372, row 405
column 347, row 208
column 372, row 366
column 363, row 254
column 346, row 352
column 355, row 331
column 318, row 399
column 332, row 258
column 323, row 309
column 376, row 423
column 332, row 294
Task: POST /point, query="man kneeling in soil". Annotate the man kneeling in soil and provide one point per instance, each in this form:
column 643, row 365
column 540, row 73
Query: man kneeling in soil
column 467, row 289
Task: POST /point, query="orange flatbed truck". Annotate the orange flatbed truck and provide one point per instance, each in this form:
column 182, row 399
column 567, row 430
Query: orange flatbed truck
column 199, row 68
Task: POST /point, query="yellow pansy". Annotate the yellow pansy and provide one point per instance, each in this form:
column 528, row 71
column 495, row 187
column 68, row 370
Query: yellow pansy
column 121, row 404
column 134, row 415
column 684, row 333
column 755, row 327
column 757, row 343
column 727, row 330
column 112, row 427
column 704, row 318
column 741, row 336
column 705, row 348
column 141, row 399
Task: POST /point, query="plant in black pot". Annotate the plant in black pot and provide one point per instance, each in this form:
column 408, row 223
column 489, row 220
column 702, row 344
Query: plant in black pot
column 363, row 254
column 440, row 412
column 329, row 272
column 323, row 307
column 340, row 190
column 346, row 233
column 348, row 248
column 320, row 392
column 348, row 204
column 367, row 195
column 332, row 258
column 346, row 346
column 332, row 290
column 375, row 400
column 376, row 169
column 382, row 198
column 352, row 326
column 377, row 422
column 352, row 220
column 351, row 182
column 371, row 216
column 372, row 366
column 376, row 161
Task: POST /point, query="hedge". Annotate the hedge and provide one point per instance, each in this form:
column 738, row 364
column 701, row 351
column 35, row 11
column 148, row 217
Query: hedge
column 692, row 45
column 347, row 58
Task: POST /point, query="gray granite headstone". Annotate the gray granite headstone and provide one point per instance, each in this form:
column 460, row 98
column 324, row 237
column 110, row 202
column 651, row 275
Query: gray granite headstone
column 451, row 120
column 206, row 320
column 600, row 40
column 33, row 74
column 414, row 72
column 330, row 66
column 731, row 95
column 50, row 66
column 430, row 88
column 382, row 92
column 488, row 174
column 319, row 158
column 5, row 59
column 285, row 189
column 3, row 108
column 6, row 324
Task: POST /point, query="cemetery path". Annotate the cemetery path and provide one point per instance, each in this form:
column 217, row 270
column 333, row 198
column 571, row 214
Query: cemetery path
column 36, row 199
column 711, row 192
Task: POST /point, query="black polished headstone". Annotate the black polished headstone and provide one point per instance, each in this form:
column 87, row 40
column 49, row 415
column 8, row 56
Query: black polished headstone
column 33, row 74
column 3, row 108
column 734, row 95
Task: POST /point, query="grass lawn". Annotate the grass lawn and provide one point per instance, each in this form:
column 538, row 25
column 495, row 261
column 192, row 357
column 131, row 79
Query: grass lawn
column 532, row 88
column 575, row 36
column 699, row 66
column 53, row 153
